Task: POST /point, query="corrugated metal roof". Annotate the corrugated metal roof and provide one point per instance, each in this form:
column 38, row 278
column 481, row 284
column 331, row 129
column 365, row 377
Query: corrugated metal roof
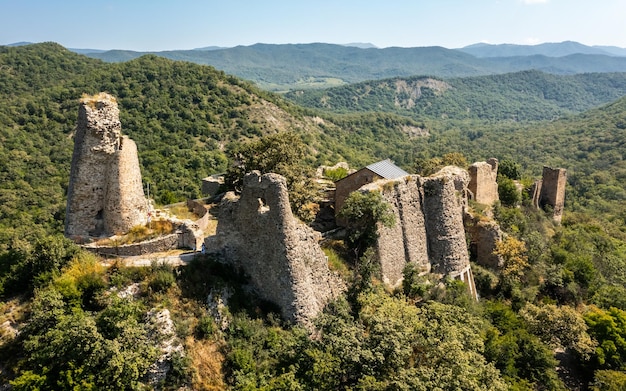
column 387, row 170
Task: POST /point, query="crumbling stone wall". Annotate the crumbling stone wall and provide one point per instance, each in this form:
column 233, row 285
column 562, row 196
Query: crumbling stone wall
column 553, row 190
column 482, row 183
column 286, row 265
column 405, row 242
column 156, row 245
column 429, row 231
column 443, row 209
column 105, row 194
column 484, row 235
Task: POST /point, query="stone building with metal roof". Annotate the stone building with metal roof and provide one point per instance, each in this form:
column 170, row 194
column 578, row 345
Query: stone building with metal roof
column 384, row 169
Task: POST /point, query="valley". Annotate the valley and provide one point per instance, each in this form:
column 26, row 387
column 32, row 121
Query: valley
column 559, row 289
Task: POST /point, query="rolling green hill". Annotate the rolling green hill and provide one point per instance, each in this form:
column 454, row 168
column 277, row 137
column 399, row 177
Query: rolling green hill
column 185, row 117
column 521, row 96
column 317, row 65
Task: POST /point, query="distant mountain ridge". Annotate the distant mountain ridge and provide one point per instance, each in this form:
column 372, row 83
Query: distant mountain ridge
column 288, row 67
column 561, row 49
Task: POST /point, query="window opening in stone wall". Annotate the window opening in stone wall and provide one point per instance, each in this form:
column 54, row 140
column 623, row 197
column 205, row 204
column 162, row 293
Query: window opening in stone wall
column 263, row 206
column 98, row 224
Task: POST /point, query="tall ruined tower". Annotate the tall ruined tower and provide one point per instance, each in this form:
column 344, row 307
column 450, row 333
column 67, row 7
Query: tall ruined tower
column 553, row 190
column 258, row 233
column 483, row 183
column 429, row 231
column 105, row 194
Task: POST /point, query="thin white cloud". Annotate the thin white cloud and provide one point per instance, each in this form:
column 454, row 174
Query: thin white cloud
column 532, row 41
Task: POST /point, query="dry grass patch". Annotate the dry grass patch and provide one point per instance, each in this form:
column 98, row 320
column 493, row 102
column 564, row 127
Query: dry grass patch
column 208, row 360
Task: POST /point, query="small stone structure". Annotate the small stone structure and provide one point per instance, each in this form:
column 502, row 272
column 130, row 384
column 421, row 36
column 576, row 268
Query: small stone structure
column 105, row 194
column 429, row 231
column 286, row 265
column 550, row 190
column 211, row 184
column 482, row 183
column 484, row 234
column 384, row 169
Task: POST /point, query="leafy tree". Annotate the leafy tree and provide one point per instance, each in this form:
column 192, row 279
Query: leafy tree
column 559, row 327
column 609, row 329
column 607, row 380
column 513, row 253
column 281, row 153
column 510, row 169
column 524, row 361
column 364, row 211
column 507, row 191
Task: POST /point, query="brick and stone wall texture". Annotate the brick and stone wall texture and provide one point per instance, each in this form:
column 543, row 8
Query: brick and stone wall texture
column 105, row 195
column 286, row 265
column 553, row 190
column 482, row 183
column 405, row 242
column 156, row 245
column 443, row 208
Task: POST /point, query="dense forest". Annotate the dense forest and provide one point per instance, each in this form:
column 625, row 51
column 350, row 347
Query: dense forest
column 521, row 96
column 319, row 65
column 552, row 318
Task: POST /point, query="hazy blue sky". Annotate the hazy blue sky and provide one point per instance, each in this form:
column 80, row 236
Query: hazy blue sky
column 185, row 24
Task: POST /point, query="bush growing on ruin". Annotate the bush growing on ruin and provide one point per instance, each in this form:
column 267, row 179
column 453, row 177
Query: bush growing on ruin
column 429, row 166
column 364, row 211
column 281, row 153
column 510, row 169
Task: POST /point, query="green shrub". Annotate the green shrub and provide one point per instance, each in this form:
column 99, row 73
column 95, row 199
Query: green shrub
column 162, row 279
column 335, row 174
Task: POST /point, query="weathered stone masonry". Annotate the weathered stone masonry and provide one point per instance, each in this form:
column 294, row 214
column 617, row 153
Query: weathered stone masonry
column 429, row 230
column 105, row 194
column 286, row 265
column 550, row 190
column 482, row 183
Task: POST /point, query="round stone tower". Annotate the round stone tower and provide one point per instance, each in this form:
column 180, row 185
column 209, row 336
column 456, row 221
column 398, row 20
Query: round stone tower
column 105, row 194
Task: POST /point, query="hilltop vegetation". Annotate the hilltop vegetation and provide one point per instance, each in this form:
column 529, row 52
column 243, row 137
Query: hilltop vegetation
column 319, row 65
column 521, row 96
column 562, row 287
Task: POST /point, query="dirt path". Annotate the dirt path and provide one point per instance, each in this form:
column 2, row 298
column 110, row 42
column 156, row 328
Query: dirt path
column 174, row 258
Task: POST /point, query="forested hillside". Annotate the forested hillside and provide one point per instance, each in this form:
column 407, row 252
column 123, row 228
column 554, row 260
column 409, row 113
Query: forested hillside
column 319, row 65
column 183, row 116
column 551, row 317
column 521, row 96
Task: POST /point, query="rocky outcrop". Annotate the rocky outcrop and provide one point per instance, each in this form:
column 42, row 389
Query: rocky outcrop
column 429, row 231
column 482, row 183
column 105, row 194
column 286, row 265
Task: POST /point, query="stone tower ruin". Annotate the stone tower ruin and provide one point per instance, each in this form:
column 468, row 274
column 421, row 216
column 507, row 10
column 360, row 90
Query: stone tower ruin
column 483, row 181
column 550, row 191
column 105, row 194
column 258, row 233
column 429, row 231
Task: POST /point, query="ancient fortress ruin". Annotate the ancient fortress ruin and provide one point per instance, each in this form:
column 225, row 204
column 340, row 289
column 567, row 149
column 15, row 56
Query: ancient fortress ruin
column 550, row 191
column 105, row 194
column 429, row 231
column 258, row 233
